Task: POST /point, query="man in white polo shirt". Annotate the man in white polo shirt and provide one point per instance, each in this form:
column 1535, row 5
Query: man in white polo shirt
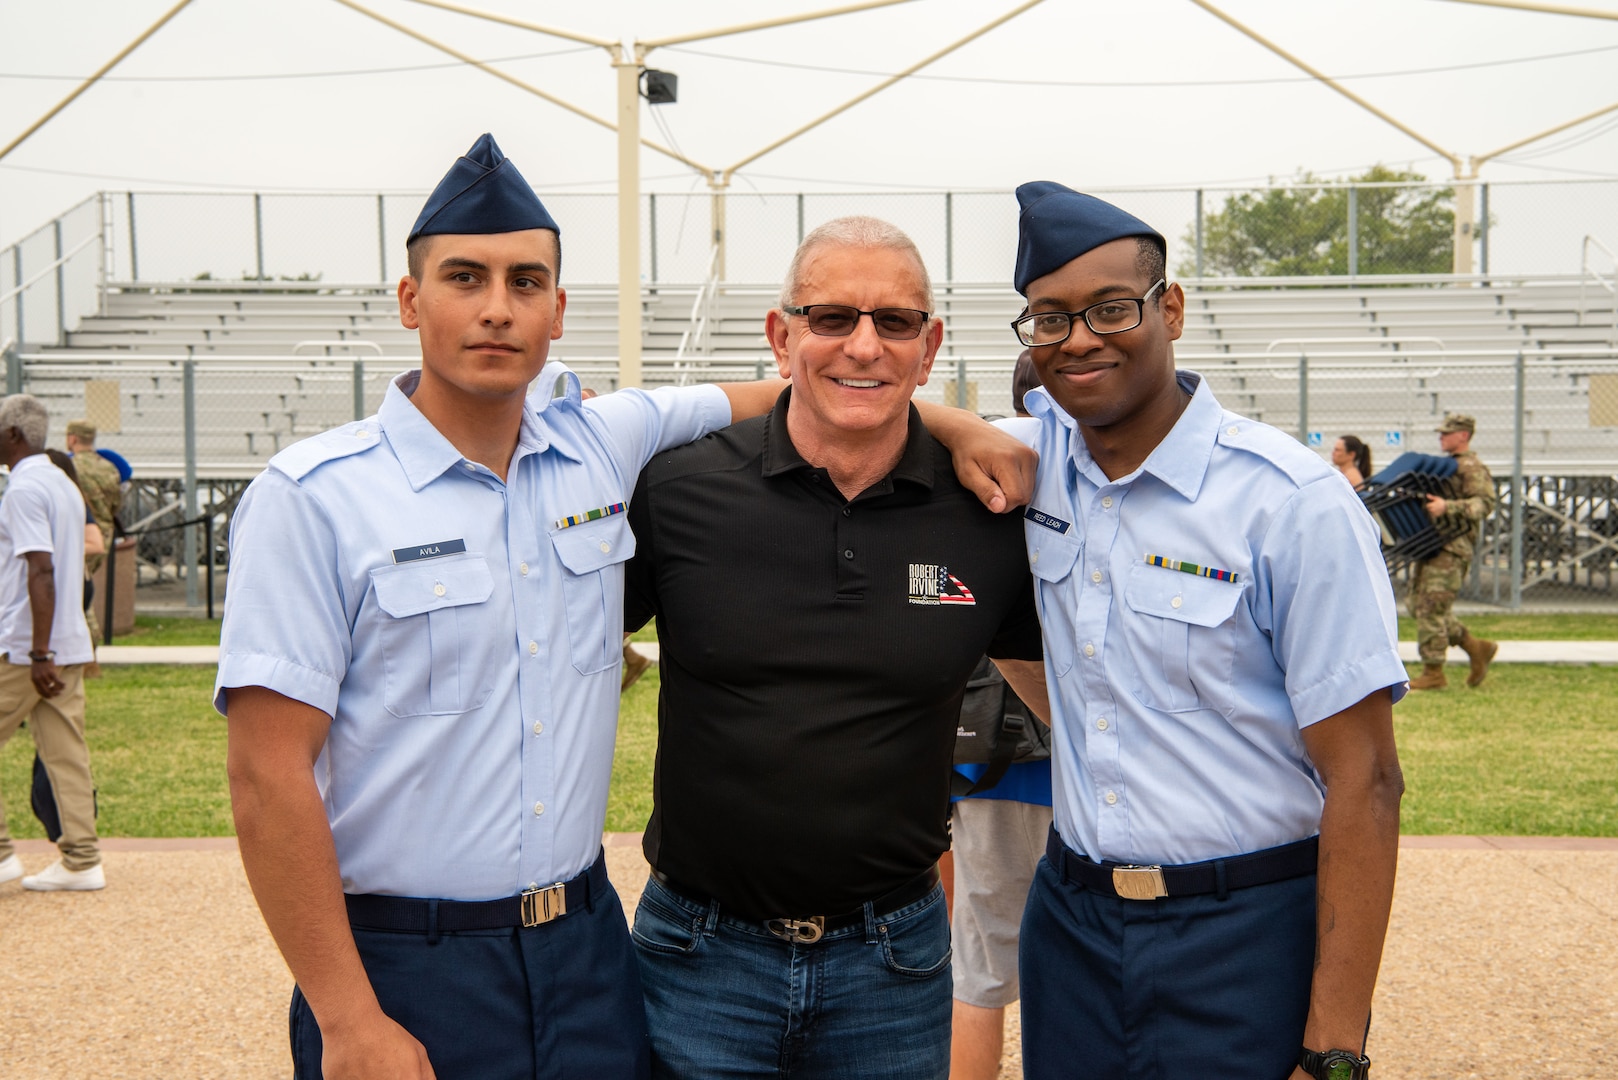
column 44, row 642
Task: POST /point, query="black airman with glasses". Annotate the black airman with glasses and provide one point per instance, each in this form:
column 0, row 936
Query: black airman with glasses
column 1111, row 316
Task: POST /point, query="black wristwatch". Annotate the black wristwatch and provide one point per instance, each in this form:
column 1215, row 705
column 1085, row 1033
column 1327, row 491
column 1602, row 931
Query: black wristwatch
column 42, row 655
column 1334, row 1065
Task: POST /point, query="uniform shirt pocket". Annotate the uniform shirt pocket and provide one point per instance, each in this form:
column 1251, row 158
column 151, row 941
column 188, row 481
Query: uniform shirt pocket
column 1176, row 630
column 428, row 610
column 1051, row 558
column 592, row 557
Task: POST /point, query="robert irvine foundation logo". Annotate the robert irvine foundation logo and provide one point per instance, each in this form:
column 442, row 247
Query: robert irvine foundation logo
column 932, row 584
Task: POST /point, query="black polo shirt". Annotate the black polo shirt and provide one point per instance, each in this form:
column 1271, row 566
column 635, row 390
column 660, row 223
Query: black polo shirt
column 813, row 656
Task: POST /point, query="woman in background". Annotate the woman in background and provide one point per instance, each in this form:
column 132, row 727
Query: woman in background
column 1352, row 458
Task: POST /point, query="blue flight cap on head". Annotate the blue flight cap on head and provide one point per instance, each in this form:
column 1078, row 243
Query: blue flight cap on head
column 482, row 193
column 1059, row 224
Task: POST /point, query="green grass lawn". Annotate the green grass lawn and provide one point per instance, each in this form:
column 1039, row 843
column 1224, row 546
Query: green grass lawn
column 1532, row 752
column 1508, row 627
column 170, row 630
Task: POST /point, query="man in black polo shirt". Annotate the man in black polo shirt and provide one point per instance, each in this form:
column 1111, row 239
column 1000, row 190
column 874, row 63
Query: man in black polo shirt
column 823, row 587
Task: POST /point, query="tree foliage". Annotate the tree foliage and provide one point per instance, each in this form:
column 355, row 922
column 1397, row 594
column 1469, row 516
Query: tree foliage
column 1302, row 229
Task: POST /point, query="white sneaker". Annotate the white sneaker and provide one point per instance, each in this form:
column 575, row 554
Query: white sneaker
column 58, row 878
column 10, row 869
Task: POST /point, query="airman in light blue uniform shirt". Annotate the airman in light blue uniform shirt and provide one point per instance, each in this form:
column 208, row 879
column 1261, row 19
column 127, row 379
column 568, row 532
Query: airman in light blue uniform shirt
column 467, row 649
column 1221, row 664
column 1148, row 661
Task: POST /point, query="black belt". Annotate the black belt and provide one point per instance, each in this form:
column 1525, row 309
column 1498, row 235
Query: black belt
column 810, row 929
column 531, row 907
column 1132, row 882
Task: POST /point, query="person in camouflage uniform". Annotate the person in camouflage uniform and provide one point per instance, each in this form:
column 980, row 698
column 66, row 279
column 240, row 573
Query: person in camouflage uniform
column 103, row 494
column 1438, row 579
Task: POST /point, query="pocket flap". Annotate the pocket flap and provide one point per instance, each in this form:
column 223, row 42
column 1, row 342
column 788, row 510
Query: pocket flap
column 1186, row 598
column 1050, row 554
column 413, row 588
column 594, row 545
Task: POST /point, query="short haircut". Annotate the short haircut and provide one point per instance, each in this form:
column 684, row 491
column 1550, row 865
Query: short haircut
column 1152, row 261
column 25, row 413
column 855, row 232
column 416, row 253
column 1023, row 379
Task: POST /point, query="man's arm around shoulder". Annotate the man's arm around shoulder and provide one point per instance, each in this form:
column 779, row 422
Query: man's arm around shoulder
column 291, row 863
column 1355, row 755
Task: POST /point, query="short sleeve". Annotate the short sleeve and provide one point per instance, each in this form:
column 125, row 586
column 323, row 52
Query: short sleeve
column 286, row 624
column 29, row 516
column 1025, row 429
column 638, row 424
column 1019, row 635
column 1334, row 628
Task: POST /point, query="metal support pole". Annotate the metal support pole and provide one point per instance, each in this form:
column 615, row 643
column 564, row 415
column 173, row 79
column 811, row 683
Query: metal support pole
column 208, row 532
column 960, row 383
column 1353, row 231
column 13, row 369
column 627, row 65
column 1465, row 221
column 190, row 372
column 716, row 216
column 61, row 285
column 1199, row 232
column 949, row 237
column 1303, row 398
column 258, row 232
column 16, row 265
column 651, row 223
column 381, row 239
column 1518, row 496
column 359, row 389
column 134, row 259
column 758, row 369
column 108, row 268
column 800, row 217
column 1483, row 229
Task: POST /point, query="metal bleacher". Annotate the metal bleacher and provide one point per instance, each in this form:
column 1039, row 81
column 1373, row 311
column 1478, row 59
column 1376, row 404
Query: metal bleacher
column 277, row 363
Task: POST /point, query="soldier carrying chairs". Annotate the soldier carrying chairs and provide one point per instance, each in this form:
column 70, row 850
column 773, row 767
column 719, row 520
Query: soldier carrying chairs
column 1431, row 510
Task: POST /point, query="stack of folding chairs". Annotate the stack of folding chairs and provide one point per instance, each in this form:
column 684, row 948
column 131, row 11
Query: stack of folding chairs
column 1397, row 498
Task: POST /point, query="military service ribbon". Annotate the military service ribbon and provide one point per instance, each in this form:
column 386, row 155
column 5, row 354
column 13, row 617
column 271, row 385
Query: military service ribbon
column 589, row 515
column 1191, row 568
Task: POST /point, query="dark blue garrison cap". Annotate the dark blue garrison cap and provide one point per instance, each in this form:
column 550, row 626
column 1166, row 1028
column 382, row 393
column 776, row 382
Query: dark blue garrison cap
column 1059, row 224
column 482, row 193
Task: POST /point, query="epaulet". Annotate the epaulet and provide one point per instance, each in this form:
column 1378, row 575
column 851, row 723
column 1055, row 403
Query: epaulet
column 1300, row 464
column 302, row 458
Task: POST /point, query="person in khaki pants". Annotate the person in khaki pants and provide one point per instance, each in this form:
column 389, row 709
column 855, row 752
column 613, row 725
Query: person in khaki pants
column 44, row 642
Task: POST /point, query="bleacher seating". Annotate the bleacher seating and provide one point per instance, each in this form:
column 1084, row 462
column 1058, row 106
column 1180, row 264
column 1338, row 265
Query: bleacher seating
column 277, row 361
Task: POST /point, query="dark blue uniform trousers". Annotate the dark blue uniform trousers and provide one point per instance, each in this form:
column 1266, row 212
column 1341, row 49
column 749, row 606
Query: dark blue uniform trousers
column 559, row 1001
column 1162, row 989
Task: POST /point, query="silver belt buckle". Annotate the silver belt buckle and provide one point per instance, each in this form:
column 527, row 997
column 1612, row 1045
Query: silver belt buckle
column 797, row 931
column 1138, row 882
column 542, row 905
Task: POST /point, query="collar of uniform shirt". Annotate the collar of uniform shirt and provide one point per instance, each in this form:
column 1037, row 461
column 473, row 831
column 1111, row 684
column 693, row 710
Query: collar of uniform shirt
column 422, row 450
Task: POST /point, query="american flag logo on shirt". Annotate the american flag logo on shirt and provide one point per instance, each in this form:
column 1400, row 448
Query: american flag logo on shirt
column 932, row 584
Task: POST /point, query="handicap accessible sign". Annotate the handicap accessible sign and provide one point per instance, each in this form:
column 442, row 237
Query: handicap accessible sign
column 1394, row 438
column 1317, row 439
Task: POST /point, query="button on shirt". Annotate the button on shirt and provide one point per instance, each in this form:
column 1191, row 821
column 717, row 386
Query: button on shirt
column 42, row 510
column 1179, row 698
column 463, row 633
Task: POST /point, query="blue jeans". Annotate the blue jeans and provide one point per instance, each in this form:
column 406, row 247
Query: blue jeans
column 726, row 999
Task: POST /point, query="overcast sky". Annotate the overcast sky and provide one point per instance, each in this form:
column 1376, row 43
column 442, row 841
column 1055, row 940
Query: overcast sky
column 310, row 95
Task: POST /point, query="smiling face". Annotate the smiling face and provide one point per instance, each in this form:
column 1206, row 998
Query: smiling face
column 487, row 308
column 854, row 388
column 1111, row 381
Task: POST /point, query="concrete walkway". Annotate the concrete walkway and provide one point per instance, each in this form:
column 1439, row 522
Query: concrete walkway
column 1511, row 652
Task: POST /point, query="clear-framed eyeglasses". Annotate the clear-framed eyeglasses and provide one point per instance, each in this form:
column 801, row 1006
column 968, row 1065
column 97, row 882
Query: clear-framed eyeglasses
column 1111, row 316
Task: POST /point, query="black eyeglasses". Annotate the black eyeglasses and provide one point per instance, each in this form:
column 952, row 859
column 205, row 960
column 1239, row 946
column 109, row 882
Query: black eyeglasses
column 1108, row 317
column 839, row 320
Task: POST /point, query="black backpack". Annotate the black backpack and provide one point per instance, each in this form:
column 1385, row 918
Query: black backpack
column 996, row 729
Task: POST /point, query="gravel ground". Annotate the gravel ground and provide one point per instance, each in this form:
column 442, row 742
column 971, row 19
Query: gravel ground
column 1502, row 962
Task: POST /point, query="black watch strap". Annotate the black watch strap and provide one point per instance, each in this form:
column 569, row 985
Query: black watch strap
column 1334, row 1064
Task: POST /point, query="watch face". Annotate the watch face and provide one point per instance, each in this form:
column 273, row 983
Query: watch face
column 1340, row 1070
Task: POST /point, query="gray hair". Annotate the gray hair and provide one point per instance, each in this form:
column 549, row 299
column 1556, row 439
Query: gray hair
column 25, row 413
column 855, row 232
